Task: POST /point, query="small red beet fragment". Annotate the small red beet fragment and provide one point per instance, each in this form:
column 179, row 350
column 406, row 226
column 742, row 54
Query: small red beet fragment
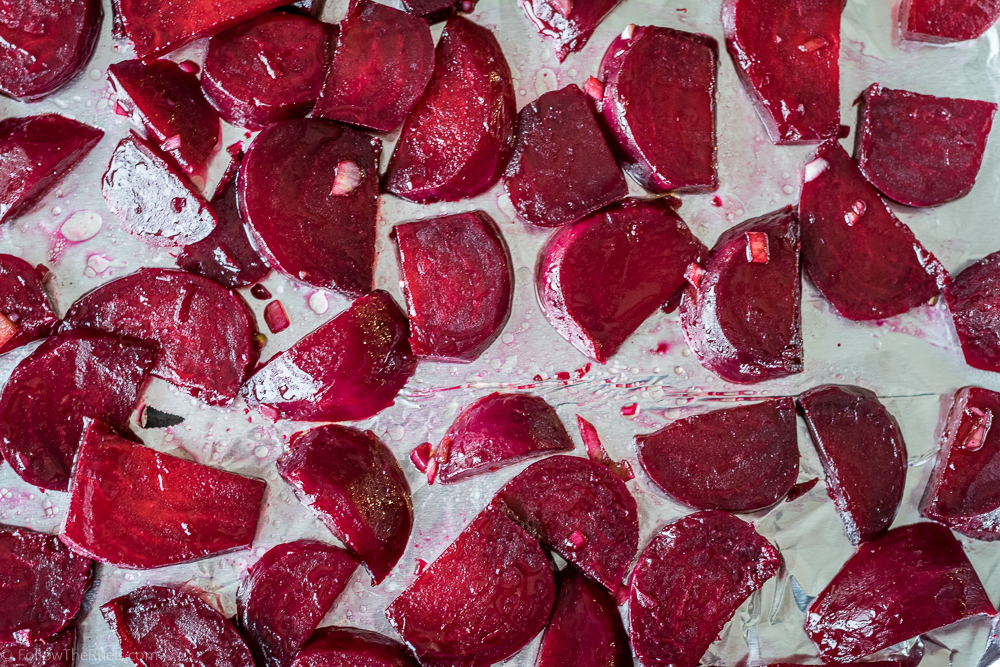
column 24, row 303
column 801, row 489
column 569, row 24
column 596, row 452
column 973, row 297
column 944, row 21
column 421, row 455
column 276, row 317
column 350, row 647
column 59, row 650
column 260, row 292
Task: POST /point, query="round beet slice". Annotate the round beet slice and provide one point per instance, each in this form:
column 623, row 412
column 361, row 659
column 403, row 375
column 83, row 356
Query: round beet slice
column 459, row 284
column 308, row 191
column 456, row 141
column 351, row 647
column 567, row 23
column 482, row 600
column 24, row 303
column 944, row 21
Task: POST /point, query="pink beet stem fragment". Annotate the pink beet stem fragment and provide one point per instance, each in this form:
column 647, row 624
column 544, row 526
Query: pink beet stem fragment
column 120, row 110
column 276, row 317
column 421, row 456
column 7, row 329
column 349, row 177
column 693, row 274
column 757, row 248
column 594, row 88
column 981, row 426
column 597, row 453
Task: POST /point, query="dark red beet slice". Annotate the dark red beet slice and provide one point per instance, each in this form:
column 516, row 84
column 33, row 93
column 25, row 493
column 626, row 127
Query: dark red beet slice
column 562, row 168
column 152, row 198
column 382, row 64
column 943, row 21
column 137, row 508
column 743, row 320
column 909, row 581
column 599, row 279
column 787, row 57
column 24, row 302
column 867, row 263
column 267, row 70
column 434, row 11
column 351, row 647
column 973, row 297
column 286, row 594
column 569, row 30
column 482, row 600
column 689, row 582
column 459, row 284
column 349, row 368
column 739, row 459
column 456, row 141
column 70, row 376
column 580, row 510
column 35, row 152
column 308, row 191
column 58, row 651
column 204, row 331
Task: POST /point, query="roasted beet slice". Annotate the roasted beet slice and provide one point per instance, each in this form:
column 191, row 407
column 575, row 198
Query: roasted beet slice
column 943, row 21
column 70, row 376
column 459, row 284
column 739, row 459
column 456, row 141
column 482, row 600
column 973, row 297
column 349, row 368
column 24, row 302
column 434, row 11
column 350, row 647
column 743, row 320
column 909, row 581
column 567, row 23
column 59, row 650
column 35, row 152
column 787, row 57
column 867, row 263
column 285, row 595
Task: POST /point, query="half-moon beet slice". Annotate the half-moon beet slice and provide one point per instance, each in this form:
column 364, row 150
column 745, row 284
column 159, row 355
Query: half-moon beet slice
column 867, row 263
column 59, row 650
column 459, row 283
column 204, row 331
column 286, row 594
column 580, row 510
column 909, row 581
column 482, row 600
column 308, row 191
column 68, row 377
column 350, row 647
column 349, row 368
column 740, row 459
column 24, row 302
column 456, row 141
column 943, row 21
column 743, row 319
column 567, row 23
column 134, row 507
column 973, row 297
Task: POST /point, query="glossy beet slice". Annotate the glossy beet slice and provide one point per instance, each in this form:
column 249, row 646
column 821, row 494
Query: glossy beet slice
column 70, row 376
column 973, row 297
column 24, row 302
column 867, row 263
column 739, row 459
column 743, row 320
column 349, row 368
column 689, row 582
column 482, row 600
column 205, row 332
column 459, row 283
column 787, row 57
column 580, row 510
column 943, row 21
column 456, row 141
column 59, row 650
column 286, row 594
column 350, row 647
column 568, row 24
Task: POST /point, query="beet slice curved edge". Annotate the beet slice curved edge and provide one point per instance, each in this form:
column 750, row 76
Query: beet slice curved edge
column 24, row 302
column 944, row 21
column 972, row 297
column 347, row 647
column 569, row 30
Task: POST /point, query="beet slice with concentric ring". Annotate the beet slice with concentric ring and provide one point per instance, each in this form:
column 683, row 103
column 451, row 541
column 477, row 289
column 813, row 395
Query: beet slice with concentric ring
column 349, row 647
column 944, row 21
column 24, row 303
column 973, row 298
column 567, row 23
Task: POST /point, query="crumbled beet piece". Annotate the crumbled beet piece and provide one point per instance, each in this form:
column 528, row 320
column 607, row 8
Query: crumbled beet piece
column 973, row 297
column 59, row 650
column 276, row 317
column 350, row 647
column 568, row 24
column 260, row 292
column 943, row 21
column 24, row 302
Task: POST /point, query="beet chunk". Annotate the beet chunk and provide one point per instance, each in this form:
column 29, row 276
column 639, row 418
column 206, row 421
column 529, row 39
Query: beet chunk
column 350, row 647
column 867, row 263
column 909, row 581
column 459, row 284
column 568, row 24
column 59, row 650
column 456, row 141
column 973, row 297
column 482, row 600
column 943, row 21
column 24, row 302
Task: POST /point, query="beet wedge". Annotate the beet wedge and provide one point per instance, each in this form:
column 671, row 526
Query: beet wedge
column 286, row 594
column 205, row 332
column 580, row 510
column 568, row 24
column 24, row 303
column 68, row 377
column 973, row 297
column 739, row 459
column 867, row 263
column 348, row 647
column 909, row 581
column 744, row 319
column 456, row 141
column 945, row 21
column 459, row 283
column 59, row 650
column 349, row 368
column 481, row 601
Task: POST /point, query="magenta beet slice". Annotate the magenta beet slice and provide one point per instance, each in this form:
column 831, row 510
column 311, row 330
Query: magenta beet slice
column 137, row 508
column 569, row 24
column 787, row 57
column 867, row 263
column 351, row 647
column 68, row 377
column 943, row 21
column 382, row 64
column 24, row 302
column 482, row 600
column 580, row 510
column 739, row 459
column 562, row 168
column 743, row 320
column 286, row 594
column 205, row 332
column 973, row 297
column 909, row 581
column 349, row 368
column 59, row 650
column 459, row 284
column 35, row 152
column 456, row 141
column 267, row 70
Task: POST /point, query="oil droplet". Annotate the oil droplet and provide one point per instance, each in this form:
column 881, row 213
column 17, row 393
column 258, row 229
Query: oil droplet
column 788, row 189
column 81, row 226
column 261, row 452
column 96, row 265
column 507, row 338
